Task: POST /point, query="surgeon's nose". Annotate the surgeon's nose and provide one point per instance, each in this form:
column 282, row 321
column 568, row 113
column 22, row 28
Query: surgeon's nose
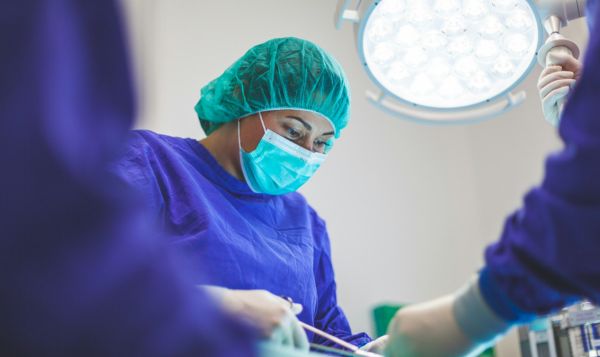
column 306, row 143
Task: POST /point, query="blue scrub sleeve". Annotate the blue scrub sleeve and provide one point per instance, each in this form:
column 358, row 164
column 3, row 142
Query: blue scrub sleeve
column 548, row 254
column 330, row 317
column 590, row 8
column 137, row 167
column 81, row 270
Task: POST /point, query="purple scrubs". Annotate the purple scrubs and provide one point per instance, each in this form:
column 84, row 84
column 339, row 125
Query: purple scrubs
column 82, row 273
column 549, row 253
column 243, row 239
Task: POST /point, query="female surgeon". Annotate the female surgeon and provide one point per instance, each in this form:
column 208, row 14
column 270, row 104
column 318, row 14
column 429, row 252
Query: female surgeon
column 229, row 201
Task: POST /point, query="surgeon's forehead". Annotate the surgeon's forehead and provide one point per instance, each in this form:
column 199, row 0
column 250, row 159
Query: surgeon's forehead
column 316, row 121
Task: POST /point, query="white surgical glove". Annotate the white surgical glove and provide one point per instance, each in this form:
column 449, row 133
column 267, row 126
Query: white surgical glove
column 272, row 315
column 555, row 82
column 376, row 346
column 459, row 324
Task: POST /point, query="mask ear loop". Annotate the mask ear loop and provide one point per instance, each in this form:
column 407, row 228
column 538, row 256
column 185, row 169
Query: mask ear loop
column 262, row 122
column 239, row 139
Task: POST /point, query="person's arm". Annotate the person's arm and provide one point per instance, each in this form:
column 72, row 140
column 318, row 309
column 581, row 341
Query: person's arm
column 82, row 271
column 547, row 256
column 330, row 317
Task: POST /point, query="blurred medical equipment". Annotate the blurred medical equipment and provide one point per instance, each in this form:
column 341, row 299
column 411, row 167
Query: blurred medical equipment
column 266, row 349
column 574, row 332
column 451, row 61
column 378, row 345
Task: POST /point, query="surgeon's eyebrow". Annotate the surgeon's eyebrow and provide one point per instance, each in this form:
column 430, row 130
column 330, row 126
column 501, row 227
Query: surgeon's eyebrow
column 307, row 125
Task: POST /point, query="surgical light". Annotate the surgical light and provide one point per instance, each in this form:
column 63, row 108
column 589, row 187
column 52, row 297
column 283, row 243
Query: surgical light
column 453, row 60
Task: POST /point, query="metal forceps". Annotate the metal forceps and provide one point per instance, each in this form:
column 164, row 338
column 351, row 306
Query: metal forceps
column 355, row 350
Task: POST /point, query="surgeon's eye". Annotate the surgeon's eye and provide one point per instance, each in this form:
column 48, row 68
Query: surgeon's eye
column 292, row 133
column 321, row 145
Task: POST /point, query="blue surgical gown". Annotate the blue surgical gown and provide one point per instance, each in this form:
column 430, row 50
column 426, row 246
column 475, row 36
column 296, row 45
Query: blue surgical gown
column 549, row 253
column 243, row 240
column 81, row 273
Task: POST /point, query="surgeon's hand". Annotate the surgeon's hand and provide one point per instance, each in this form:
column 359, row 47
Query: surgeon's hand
column 272, row 315
column 455, row 325
column 427, row 329
column 555, row 82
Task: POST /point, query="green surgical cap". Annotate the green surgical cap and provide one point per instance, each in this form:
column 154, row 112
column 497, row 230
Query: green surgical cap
column 282, row 73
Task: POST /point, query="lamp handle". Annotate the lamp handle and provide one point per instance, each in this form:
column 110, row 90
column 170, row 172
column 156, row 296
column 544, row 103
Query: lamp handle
column 390, row 106
column 344, row 13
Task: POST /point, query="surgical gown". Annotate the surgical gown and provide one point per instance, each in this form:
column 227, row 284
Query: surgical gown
column 243, row 240
column 81, row 274
column 549, row 253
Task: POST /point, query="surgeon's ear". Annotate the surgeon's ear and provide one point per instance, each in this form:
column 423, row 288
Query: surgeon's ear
column 251, row 131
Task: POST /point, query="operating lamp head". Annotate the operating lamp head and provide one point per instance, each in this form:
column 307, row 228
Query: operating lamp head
column 455, row 61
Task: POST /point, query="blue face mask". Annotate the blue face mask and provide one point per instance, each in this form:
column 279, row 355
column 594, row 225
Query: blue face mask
column 277, row 165
column 590, row 13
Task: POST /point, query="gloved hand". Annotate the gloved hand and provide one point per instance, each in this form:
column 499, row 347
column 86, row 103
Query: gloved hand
column 555, row 82
column 427, row 329
column 454, row 325
column 376, row 346
column 272, row 315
